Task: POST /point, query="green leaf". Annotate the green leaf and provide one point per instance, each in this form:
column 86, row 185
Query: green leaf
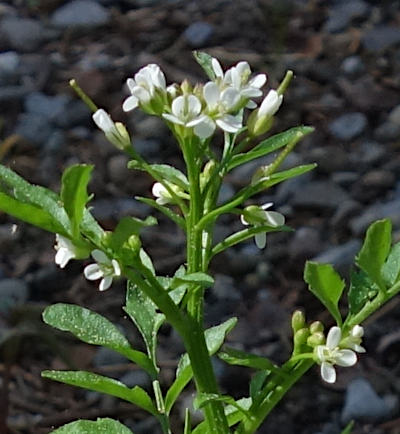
column 146, row 261
column 391, row 268
column 165, row 172
column 257, row 382
column 30, row 214
column 100, row 426
column 143, row 313
column 203, row 398
column 349, row 428
column 233, row 356
column 215, row 337
column 270, row 145
column 325, row 283
column 201, row 279
column 74, row 195
column 109, row 386
column 205, row 61
column 362, row 289
column 35, row 195
column 375, row 250
column 92, row 328
column 165, row 210
column 91, row 229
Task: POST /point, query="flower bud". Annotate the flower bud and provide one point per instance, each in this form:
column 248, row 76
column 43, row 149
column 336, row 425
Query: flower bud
column 134, row 243
column 186, row 87
column 259, row 125
column 300, row 337
column 316, row 327
column 298, row 320
column 316, row 339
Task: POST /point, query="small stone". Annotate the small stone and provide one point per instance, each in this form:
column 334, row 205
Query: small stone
column 114, row 209
column 13, row 93
column 55, row 141
column 341, row 257
column 348, row 126
column 224, row 288
column 344, row 179
column 353, row 66
column 363, row 404
column 394, row 116
column 80, row 13
column 50, row 107
column 136, row 378
column 75, row 113
column 368, row 153
column 117, row 169
column 381, row 179
column 387, row 132
column 34, row 128
column 345, row 212
column 329, row 158
column 13, row 293
column 147, row 147
column 344, row 13
column 9, row 61
column 105, row 357
column 322, row 195
column 380, row 38
column 305, row 243
column 23, row 34
column 198, row 33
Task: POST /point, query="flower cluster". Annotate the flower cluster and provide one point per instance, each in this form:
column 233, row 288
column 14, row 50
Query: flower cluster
column 338, row 351
column 200, row 110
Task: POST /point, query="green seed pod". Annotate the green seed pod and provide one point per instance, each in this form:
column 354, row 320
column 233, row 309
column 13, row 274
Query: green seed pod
column 316, row 327
column 316, row 339
column 298, row 320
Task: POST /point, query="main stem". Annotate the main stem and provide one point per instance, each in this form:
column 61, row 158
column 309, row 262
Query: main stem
column 194, row 339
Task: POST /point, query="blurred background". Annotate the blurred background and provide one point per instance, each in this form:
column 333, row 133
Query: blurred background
column 346, row 59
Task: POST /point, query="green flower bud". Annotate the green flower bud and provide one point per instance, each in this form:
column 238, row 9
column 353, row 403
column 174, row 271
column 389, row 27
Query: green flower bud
column 134, row 243
column 186, row 87
column 298, row 320
column 316, row 339
column 300, row 337
column 316, row 327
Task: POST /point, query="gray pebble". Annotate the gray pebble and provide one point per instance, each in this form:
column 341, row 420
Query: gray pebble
column 13, row 93
column 198, row 33
column 105, row 357
column 117, row 169
column 34, row 128
column 147, row 147
column 348, row 126
column 387, row 132
column 342, row 14
column 9, row 62
column 136, row 378
column 363, row 404
column 13, row 293
column 224, row 288
column 50, row 107
column 23, row 34
column 394, row 115
column 80, row 13
column 380, row 38
column 353, row 66
column 305, row 243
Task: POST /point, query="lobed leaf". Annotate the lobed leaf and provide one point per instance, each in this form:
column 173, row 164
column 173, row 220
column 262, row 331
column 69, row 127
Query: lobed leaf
column 325, row 283
column 92, row 328
column 362, row 288
column 100, row 426
column 109, row 386
column 165, row 172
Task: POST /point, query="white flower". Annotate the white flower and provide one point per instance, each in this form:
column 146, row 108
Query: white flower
column 219, row 104
column 103, row 120
column 65, row 251
column 331, row 354
column 238, row 78
column 161, row 193
column 270, row 104
column 105, row 269
column 262, row 218
column 186, row 111
column 143, row 87
column 353, row 341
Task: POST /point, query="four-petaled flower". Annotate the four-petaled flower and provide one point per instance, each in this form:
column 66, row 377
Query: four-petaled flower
column 105, row 269
column 332, row 354
column 186, row 111
column 260, row 217
column 143, row 87
column 65, row 251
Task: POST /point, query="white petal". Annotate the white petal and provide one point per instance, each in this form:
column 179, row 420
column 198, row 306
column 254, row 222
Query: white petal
column 358, row 348
column 346, row 358
column 243, row 68
column 243, row 220
column 250, row 92
column 258, row 81
column 157, row 76
column 172, row 118
column 103, row 120
column 205, row 128
column 321, row 352
column 116, row 266
column 216, row 66
column 131, row 83
column 328, row 372
column 260, row 239
column 333, row 338
column 236, row 78
column 162, row 201
column 251, row 105
column 357, row 331
column 63, row 256
column 100, row 256
column 267, row 205
column 130, row 103
column 178, row 107
column 229, row 123
column 230, row 98
column 158, row 189
column 194, row 105
column 92, row 272
column 274, row 218
column 105, row 283
column 211, row 94
column 142, row 94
